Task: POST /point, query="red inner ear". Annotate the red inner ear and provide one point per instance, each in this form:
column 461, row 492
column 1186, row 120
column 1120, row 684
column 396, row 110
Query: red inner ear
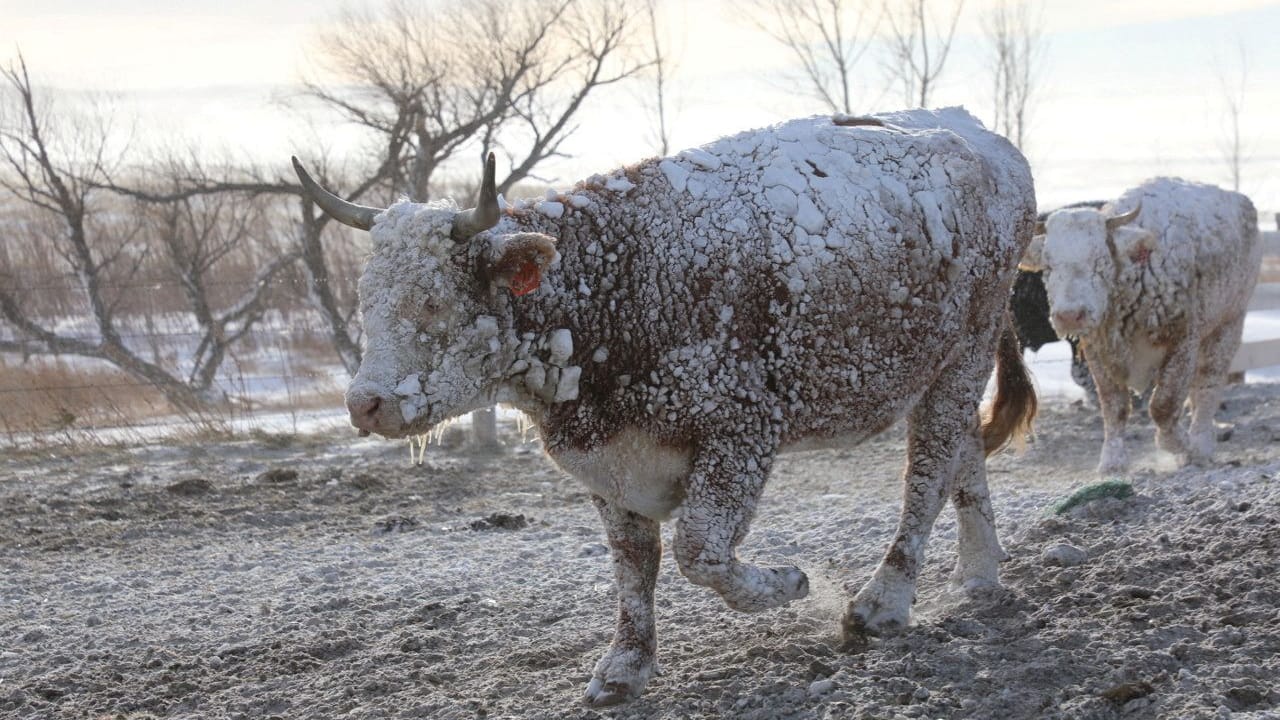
column 1140, row 255
column 527, row 279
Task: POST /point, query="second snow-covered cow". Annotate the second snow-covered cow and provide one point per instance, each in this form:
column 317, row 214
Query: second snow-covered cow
column 1156, row 287
column 672, row 326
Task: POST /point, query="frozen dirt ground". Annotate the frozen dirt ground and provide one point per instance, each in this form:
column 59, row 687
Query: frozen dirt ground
column 326, row 578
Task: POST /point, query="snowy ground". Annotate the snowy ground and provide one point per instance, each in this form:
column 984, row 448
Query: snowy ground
column 326, row 578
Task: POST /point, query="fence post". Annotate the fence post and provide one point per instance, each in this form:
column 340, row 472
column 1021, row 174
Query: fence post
column 484, row 429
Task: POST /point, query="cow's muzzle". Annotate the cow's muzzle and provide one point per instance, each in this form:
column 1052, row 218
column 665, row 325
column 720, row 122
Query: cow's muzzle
column 372, row 412
column 1071, row 322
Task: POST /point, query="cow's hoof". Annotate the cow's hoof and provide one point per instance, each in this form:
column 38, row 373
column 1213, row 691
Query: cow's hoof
column 619, row 676
column 1173, row 441
column 768, row 588
column 874, row 612
column 602, row 693
column 1115, row 461
column 974, row 581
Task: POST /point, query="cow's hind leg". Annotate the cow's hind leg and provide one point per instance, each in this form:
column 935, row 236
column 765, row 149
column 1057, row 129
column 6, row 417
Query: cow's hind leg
column 720, row 500
column 636, row 545
column 1173, row 382
column 1216, row 353
column 944, row 420
column 979, row 552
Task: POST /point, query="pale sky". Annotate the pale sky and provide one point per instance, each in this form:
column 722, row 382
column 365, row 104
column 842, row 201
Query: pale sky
column 1128, row 89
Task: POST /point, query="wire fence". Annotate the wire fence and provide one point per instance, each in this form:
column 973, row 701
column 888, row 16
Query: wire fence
column 283, row 376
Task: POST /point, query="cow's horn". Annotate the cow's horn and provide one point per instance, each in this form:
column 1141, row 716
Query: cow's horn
column 1125, row 219
column 486, row 212
column 347, row 213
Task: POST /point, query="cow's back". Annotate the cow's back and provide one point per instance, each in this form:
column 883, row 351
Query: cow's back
column 1207, row 243
column 822, row 271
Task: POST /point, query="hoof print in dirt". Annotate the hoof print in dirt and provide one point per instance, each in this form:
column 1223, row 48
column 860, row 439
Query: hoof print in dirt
column 366, row 482
column 1125, row 692
column 396, row 523
column 190, row 486
column 500, row 521
column 277, row 476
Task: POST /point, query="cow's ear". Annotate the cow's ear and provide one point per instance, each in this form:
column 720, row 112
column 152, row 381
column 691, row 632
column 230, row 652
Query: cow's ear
column 518, row 261
column 1135, row 243
column 1033, row 257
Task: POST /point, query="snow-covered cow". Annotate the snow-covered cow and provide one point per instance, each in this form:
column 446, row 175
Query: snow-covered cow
column 1155, row 286
column 674, row 325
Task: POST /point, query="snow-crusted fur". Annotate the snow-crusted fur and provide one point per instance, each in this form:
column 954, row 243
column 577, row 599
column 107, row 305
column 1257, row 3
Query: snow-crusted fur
column 808, row 283
column 1158, row 303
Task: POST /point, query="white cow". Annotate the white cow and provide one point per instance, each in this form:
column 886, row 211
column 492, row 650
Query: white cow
column 672, row 326
column 1155, row 286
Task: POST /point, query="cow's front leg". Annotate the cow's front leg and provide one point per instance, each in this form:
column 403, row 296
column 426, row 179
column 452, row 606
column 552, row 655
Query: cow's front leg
column 1173, row 382
column 1113, row 399
column 636, row 547
column 720, row 499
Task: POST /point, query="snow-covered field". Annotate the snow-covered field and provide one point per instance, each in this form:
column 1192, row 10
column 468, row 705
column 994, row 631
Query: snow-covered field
column 325, row 577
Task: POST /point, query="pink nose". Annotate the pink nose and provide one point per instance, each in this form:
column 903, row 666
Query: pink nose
column 364, row 412
column 1069, row 319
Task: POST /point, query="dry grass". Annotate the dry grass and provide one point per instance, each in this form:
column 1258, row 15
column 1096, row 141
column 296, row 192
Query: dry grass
column 51, row 401
column 52, row 396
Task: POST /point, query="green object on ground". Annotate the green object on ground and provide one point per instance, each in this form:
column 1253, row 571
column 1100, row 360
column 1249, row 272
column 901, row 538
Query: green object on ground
column 1117, row 489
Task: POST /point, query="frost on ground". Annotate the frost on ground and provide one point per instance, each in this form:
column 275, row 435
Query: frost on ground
column 208, row 581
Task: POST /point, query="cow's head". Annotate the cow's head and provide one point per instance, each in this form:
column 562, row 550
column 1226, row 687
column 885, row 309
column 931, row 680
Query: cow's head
column 1081, row 251
column 438, row 338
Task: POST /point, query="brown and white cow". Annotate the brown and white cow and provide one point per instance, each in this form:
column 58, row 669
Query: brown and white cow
column 674, row 325
column 1155, row 286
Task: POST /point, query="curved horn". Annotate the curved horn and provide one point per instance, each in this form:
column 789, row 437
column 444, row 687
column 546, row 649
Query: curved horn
column 486, row 212
column 347, row 213
column 1125, row 219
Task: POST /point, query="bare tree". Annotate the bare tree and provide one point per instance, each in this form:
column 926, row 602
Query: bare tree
column 918, row 46
column 308, row 231
column 826, row 37
column 1014, row 34
column 1233, row 80
column 59, row 177
column 660, row 67
column 432, row 81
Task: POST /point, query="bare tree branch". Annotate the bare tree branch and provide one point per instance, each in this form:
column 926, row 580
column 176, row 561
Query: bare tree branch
column 106, row 244
column 826, row 37
column 918, row 54
column 1233, row 81
column 1015, row 35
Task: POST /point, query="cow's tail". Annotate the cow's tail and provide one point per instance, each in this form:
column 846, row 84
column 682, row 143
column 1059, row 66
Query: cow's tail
column 1007, row 418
